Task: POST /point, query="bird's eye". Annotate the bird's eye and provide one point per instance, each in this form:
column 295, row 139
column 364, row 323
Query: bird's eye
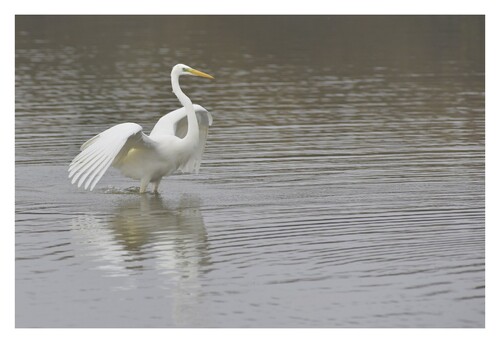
column 185, row 70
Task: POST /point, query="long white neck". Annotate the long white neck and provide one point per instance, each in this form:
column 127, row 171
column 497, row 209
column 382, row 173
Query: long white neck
column 193, row 129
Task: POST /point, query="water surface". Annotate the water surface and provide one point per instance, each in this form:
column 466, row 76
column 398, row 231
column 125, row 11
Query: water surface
column 342, row 184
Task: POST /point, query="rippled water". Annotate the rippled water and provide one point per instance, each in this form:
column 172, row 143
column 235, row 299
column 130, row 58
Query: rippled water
column 342, row 184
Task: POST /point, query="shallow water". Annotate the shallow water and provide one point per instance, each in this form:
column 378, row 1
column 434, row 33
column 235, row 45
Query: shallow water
column 342, row 183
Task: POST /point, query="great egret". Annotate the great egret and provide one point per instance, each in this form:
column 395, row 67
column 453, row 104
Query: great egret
column 174, row 144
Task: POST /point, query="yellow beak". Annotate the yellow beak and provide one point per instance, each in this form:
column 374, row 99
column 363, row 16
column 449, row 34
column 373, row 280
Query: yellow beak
column 200, row 73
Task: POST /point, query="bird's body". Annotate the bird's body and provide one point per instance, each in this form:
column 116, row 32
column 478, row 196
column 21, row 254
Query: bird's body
column 176, row 143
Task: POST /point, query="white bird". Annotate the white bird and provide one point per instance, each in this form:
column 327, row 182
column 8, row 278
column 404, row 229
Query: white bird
column 174, row 144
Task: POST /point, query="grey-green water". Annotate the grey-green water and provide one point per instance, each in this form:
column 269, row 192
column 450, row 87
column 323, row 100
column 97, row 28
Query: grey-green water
column 342, row 184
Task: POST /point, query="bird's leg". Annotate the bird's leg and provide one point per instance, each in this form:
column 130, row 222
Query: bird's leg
column 156, row 184
column 144, row 185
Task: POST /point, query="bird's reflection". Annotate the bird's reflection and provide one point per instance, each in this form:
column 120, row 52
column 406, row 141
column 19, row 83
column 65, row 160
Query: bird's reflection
column 170, row 233
column 142, row 224
column 149, row 234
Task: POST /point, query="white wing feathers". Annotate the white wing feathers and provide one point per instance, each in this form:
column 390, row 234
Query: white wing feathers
column 99, row 152
column 175, row 123
column 110, row 146
column 204, row 121
column 181, row 124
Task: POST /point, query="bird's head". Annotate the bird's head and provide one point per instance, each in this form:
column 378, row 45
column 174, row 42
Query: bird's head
column 182, row 69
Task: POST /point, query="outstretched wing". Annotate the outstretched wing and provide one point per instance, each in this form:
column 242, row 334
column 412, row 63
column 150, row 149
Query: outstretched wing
column 175, row 123
column 99, row 152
